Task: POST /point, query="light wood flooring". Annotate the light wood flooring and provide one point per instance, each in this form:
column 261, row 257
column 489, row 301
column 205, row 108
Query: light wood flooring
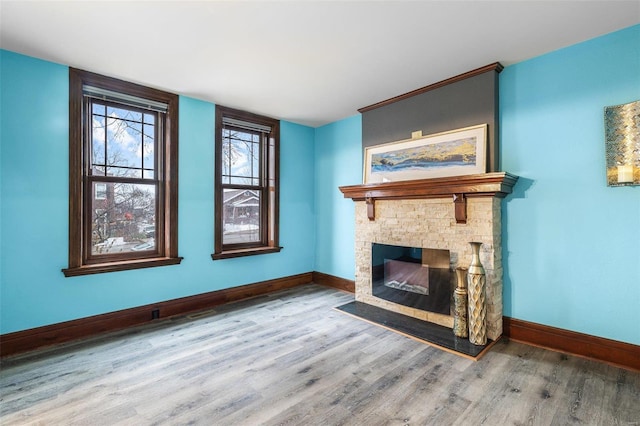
column 288, row 358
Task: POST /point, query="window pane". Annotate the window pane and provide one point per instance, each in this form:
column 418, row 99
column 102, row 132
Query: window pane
column 100, row 191
column 124, row 113
column 240, row 156
column 124, row 172
column 130, row 143
column 148, row 147
column 228, row 153
column 98, row 138
column 241, row 216
column 98, row 109
column 256, row 156
column 134, row 146
column 123, row 221
column 241, row 181
column 124, row 143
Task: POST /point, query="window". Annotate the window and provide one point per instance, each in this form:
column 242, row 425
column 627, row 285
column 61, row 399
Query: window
column 123, row 175
column 246, row 184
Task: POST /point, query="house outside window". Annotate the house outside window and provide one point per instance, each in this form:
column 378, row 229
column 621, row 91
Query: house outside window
column 246, row 183
column 123, row 175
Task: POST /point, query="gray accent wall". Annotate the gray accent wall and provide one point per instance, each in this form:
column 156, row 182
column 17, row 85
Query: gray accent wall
column 463, row 103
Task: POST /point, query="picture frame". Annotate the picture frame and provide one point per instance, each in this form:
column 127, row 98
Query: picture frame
column 452, row 153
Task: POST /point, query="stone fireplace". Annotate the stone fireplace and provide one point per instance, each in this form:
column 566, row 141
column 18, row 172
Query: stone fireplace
column 445, row 213
column 423, row 214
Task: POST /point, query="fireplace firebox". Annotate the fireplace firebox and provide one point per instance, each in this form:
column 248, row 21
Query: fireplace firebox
column 419, row 278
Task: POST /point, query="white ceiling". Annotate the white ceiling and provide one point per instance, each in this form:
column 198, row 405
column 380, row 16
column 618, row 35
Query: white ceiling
column 309, row 62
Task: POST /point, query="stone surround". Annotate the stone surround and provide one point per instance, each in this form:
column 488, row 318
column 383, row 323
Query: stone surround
column 430, row 223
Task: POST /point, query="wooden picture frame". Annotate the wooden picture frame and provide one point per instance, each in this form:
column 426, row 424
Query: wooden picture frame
column 452, row 153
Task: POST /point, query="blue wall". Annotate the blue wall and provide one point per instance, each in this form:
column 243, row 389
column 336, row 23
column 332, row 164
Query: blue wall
column 34, row 209
column 338, row 162
column 571, row 244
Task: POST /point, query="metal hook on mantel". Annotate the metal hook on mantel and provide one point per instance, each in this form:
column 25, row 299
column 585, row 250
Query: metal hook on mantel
column 460, row 207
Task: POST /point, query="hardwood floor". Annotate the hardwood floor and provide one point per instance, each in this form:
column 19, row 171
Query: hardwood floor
column 288, row 358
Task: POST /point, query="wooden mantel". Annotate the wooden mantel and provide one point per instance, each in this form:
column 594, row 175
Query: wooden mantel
column 459, row 188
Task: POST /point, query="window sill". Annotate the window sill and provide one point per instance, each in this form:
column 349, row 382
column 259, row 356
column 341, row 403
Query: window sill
column 126, row 265
column 245, row 252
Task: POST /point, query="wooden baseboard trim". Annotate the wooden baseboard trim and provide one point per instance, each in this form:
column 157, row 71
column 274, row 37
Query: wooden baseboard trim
column 335, row 282
column 613, row 352
column 619, row 354
column 54, row 334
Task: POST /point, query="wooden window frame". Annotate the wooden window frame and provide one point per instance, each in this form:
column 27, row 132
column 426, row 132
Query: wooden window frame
column 270, row 166
column 81, row 262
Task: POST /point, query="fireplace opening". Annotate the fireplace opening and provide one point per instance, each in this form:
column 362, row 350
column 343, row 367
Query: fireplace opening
column 419, row 278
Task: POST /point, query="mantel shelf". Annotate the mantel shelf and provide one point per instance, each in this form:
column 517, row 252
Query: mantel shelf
column 459, row 188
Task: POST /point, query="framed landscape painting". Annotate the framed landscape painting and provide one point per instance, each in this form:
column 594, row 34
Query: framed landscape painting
column 453, row 153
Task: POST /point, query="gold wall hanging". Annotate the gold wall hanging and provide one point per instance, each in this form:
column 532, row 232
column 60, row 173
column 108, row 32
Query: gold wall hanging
column 622, row 144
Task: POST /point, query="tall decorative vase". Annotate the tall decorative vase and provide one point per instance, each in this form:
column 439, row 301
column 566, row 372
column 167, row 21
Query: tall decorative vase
column 460, row 328
column 476, row 280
